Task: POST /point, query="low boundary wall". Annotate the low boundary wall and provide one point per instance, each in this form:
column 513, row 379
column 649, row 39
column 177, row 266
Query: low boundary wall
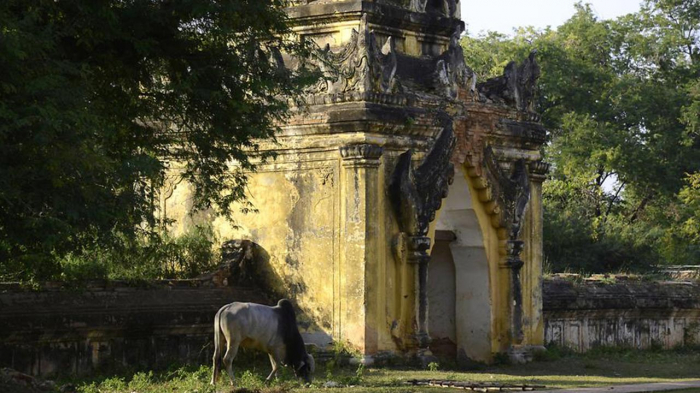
column 641, row 315
column 109, row 325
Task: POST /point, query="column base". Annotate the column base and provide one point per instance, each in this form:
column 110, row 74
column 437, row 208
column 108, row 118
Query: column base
column 425, row 357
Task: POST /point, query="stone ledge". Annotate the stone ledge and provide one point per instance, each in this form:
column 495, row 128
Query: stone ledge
column 562, row 295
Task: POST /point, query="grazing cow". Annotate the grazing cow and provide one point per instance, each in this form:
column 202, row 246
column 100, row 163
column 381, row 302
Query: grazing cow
column 270, row 329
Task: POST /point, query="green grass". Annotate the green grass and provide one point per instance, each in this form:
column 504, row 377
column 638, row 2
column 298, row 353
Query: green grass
column 556, row 369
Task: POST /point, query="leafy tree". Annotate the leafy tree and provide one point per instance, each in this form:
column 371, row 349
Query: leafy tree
column 620, row 98
column 99, row 98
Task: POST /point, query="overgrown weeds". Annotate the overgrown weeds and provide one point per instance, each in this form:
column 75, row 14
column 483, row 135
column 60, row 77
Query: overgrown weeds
column 155, row 257
column 557, row 367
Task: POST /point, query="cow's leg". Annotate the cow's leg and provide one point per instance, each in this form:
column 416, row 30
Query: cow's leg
column 273, row 373
column 276, row 358
column 218, row 336
column 218, row 349
column 231, row 351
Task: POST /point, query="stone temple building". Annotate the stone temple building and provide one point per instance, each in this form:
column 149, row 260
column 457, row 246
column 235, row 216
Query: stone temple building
column 403, row 213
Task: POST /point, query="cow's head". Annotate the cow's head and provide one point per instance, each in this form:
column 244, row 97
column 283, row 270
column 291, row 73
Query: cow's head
column 306, row 368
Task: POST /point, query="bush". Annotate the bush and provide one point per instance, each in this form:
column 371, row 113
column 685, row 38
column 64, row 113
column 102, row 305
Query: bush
column 155, row 257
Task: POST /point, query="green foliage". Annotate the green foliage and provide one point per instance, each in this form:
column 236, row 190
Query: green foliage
column 621, row 100
column 689, row 220
column 356, row 378
column 359, row 373
column 570, row 370
column 489, row 54
column 433, row 366
column 182, row 379
column 156, row 257
column 250, row 380
column 330, row 369
column 140, row 381
column 551, row 353
column 99, row 99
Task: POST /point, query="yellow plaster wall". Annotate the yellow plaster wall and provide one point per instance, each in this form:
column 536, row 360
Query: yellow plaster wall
column 333, row 251
column 324, row 227
column 296, row 226
column 397, row 328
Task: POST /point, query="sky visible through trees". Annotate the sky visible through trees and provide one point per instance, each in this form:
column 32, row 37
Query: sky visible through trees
column 621, row 100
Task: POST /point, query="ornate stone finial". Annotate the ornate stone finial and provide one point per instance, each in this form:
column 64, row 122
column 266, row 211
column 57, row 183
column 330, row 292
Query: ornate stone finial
column 418, row 5
column 451, row 72
column 445, row 7
column 386, row 66
column 516, row 87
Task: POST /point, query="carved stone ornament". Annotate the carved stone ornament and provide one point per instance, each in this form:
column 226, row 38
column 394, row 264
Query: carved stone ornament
column 539, row 170
column 451, row 72
column 511, row 189
column 417, row 193
column 361, row 151
column 444, row 7
column 516, row 87
column 360, row 65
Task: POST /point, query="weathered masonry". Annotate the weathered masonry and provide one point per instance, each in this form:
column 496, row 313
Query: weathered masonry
column 629, row 314
column 403, row 211
column 110, row 324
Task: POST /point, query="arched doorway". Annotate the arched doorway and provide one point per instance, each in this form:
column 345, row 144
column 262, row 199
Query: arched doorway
column 441, row 297
column 465, row 252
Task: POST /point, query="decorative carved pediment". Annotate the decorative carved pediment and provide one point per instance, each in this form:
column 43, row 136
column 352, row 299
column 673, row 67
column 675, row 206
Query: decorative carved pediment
column 362, row 66
column 359, row 66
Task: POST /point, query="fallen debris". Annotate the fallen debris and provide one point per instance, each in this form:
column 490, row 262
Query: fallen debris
column 475, row 386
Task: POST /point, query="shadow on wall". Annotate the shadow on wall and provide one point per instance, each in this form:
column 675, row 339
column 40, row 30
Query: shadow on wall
column 114, row 325
column 245, row 263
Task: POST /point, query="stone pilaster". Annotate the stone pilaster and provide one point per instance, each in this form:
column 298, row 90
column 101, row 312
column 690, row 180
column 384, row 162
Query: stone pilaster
column 418, row 256
column 361, row 247
column 532, row 272
column 531, row 331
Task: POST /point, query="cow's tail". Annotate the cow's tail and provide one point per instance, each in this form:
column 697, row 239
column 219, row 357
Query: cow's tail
column 295, row 349
column 288, row 313
column 218, row 347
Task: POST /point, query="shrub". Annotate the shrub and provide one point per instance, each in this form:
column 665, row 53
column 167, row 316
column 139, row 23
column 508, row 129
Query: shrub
column 155, row 257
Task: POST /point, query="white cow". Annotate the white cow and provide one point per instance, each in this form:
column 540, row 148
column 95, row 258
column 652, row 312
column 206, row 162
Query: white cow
column 270, row 329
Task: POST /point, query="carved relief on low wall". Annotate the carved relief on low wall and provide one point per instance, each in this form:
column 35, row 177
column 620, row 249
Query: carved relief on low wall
column 635, row 315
